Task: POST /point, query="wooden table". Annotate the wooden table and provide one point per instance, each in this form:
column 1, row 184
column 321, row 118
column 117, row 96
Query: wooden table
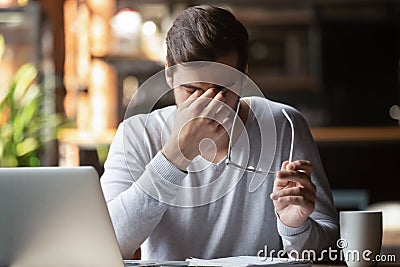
column 348, row 134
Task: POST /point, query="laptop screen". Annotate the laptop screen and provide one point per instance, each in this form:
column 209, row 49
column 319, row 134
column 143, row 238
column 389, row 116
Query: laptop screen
column 55, row 216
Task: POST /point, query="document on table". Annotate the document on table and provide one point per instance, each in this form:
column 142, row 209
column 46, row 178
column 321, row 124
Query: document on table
column 247, row 261
column 141, row 263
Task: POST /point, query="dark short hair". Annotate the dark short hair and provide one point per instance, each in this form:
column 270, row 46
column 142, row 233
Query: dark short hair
column 205, row 33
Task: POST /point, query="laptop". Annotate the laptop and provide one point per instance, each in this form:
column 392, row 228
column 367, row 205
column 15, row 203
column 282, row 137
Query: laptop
column 55, row 216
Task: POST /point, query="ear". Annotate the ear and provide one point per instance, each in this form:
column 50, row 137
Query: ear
column 168, row 76
column 246, row 70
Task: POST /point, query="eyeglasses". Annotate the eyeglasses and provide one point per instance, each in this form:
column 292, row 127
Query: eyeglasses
column 252, row 169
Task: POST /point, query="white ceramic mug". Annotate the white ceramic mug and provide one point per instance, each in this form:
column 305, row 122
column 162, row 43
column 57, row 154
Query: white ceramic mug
column 360, row 237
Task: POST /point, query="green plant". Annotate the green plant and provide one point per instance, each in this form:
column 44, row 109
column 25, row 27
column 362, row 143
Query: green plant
column 24, row 126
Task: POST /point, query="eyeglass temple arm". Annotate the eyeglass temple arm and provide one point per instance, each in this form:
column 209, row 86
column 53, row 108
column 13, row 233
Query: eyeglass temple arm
column 292, row 130
column 231, row 134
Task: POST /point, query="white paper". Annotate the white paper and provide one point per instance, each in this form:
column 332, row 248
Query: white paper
column 245, row 261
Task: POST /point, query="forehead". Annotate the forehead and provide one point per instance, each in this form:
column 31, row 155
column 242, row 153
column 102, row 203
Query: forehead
column 202, row 74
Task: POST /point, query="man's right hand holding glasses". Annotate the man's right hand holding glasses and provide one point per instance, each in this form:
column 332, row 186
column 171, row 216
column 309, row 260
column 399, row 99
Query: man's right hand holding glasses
column 294, row 194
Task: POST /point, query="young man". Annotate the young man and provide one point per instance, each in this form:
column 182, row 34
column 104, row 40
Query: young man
column 150, row 164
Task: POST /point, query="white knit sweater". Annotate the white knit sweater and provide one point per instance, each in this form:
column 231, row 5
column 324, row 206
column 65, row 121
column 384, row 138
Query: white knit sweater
column 144, row 194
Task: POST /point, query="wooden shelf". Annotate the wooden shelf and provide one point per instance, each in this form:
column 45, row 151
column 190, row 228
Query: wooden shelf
column 86, row 139
column 285, row 83
column 346, row 134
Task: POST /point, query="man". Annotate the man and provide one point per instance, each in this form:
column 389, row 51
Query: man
column 149, row 177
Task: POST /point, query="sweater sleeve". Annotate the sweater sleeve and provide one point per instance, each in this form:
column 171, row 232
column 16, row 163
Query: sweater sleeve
column 136, row 186
column 321, row 229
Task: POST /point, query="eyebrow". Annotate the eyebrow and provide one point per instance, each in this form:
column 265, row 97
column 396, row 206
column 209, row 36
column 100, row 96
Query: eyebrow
column 220, row 87
column 188, row 85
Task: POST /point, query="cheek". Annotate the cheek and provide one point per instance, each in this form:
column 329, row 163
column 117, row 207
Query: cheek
column 231, row 100
column 180, row 96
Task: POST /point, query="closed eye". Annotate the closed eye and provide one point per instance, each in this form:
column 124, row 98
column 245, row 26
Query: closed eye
column 190, row 88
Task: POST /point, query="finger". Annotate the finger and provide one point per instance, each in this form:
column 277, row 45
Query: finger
column 221, row 119
column 196, row 94
column 280, row 183
column 300, row 165
column 216, row 105
column 214, row 94
column 223, row 113
column 295, row 191
column 210, row 93
column 292, row 181
column 284, row 177
column 284, row 165
column 299, row 174
column 224, row 126
column 202, row 101
column 297, row 201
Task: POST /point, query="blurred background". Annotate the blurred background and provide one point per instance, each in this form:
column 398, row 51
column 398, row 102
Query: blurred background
column 68, row 69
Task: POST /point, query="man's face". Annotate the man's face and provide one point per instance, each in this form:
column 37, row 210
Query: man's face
column 184, row 87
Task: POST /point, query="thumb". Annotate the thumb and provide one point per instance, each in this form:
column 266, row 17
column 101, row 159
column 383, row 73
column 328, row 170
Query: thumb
column 284, row 165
